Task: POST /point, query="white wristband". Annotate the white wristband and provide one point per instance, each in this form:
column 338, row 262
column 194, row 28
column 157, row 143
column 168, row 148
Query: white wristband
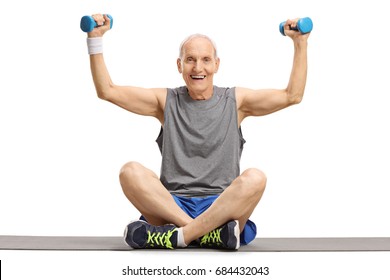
column 95, row 45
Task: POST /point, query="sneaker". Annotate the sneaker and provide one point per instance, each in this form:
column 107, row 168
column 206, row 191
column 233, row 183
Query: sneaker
column 139, row 235
column 224, row 237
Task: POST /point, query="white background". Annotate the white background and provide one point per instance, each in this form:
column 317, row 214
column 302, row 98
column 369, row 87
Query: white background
column 61, row 147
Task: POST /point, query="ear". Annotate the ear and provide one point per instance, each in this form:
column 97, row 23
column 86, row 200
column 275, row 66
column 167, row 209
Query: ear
column 217, row 62
column 179, row 67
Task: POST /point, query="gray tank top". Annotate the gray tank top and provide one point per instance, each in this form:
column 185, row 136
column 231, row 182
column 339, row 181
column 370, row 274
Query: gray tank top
column 201, row 143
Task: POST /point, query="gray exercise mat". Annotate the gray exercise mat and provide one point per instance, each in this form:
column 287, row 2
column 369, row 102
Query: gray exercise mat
column 95, row 243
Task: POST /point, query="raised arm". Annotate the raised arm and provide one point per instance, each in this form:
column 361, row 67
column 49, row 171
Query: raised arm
column 265, row 101
column 142, row 101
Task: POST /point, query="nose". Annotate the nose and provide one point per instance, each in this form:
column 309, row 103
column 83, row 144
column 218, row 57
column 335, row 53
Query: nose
column 198, row 66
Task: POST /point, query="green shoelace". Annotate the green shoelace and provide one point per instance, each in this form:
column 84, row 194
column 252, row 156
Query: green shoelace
column 213, row 238
column 160, row 240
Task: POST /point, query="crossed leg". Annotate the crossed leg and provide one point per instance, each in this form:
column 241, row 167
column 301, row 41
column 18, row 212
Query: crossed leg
column 145, row 191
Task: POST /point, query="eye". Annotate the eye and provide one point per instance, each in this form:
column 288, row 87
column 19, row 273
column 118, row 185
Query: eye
column 189, row 59
column 207, row 59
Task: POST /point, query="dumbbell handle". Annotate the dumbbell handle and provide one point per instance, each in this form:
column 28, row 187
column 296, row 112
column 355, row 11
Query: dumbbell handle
column 304, row 25
column 87, row 23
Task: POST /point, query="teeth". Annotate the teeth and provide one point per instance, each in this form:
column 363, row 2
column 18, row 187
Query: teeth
column 198, row 77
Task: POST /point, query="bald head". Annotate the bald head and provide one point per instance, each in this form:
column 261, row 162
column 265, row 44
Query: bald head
column 194, row 36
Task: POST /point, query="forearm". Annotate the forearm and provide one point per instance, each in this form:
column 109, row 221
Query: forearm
column 100, row 75
column 297, row 82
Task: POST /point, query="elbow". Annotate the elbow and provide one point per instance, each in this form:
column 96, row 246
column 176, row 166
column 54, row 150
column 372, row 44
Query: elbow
column 295, row 98
column 104, row 93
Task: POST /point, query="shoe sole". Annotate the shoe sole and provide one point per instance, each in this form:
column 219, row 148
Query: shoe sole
column 237, row 234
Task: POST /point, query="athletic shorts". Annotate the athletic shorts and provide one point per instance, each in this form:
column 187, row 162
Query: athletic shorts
column 194, row 206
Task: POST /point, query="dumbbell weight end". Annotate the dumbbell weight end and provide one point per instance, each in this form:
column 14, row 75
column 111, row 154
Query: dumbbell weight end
column 87, row 23
column 304, row 25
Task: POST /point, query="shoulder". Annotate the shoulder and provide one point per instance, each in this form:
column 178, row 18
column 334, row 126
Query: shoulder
column 174, row 93
column 228, row 92
column 241, row 92
column 161, row 94
column 177, row 90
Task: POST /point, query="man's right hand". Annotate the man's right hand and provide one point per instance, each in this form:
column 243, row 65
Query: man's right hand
column 103, row 22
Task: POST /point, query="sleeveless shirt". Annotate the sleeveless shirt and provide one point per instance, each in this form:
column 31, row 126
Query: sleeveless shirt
column 200, row 143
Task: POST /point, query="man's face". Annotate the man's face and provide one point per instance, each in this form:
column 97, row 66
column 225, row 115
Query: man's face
column 198, row 65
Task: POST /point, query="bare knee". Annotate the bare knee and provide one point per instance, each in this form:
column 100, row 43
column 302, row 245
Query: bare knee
column 130, row 169
column 253, row 181
column 131, row 174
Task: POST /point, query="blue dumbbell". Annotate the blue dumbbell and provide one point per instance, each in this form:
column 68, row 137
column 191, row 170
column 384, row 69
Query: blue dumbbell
column 304, row 25
column 87, row 23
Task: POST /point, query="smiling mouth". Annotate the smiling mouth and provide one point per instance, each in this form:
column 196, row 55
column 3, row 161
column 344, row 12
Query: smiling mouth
column 198, row 77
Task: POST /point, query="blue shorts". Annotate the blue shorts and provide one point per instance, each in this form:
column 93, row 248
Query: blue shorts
column 194, row 206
